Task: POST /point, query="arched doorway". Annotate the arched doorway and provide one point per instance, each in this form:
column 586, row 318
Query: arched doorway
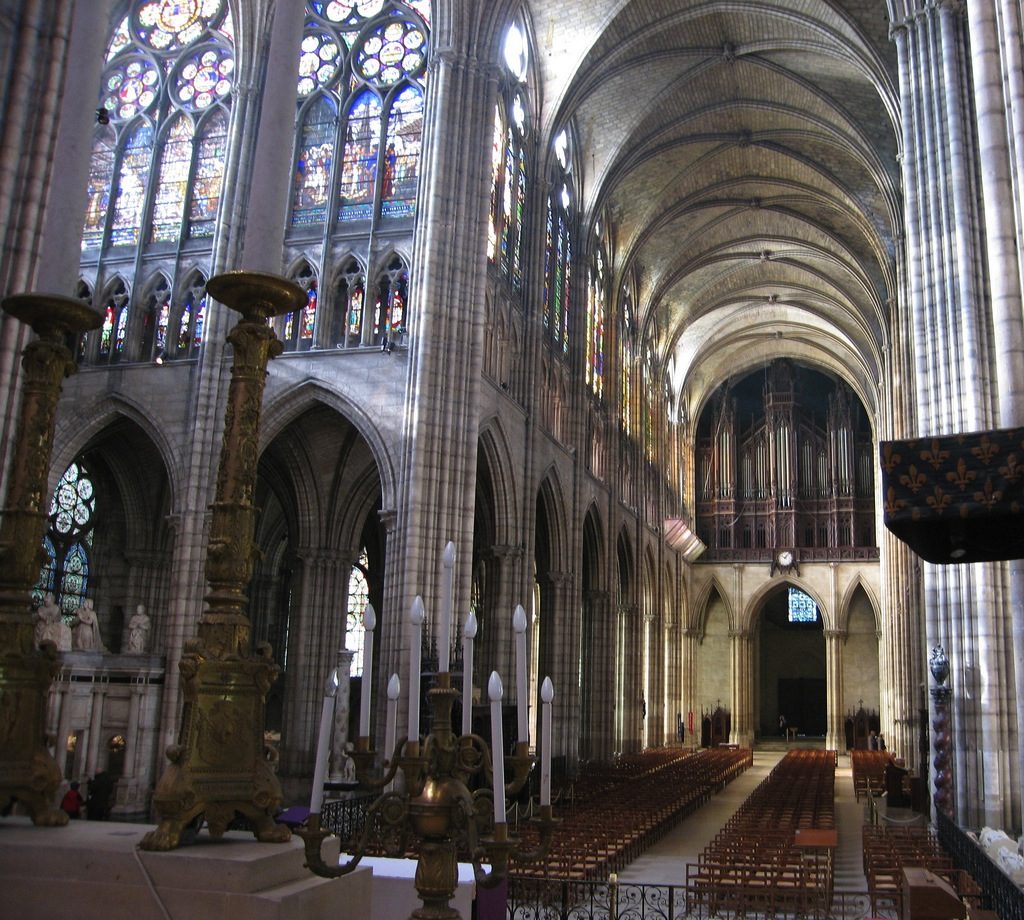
column 790, row 665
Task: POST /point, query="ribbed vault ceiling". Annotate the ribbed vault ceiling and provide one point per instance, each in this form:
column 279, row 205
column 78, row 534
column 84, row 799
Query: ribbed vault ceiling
column 746, row 153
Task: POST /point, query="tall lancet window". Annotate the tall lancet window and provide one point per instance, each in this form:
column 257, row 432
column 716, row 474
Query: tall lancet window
column 627, row 354
column 359, row 134
column 597, row 308
column 508, row 158
column 558, row 248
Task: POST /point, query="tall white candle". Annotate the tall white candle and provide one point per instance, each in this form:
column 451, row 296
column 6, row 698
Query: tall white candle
column 495, row 692
column 391, row 725
column 547, row 694
column 369, row 623
column 468, row 635
column 444, row 641
column 416, row 619
column 323, row 743
column 522, row 710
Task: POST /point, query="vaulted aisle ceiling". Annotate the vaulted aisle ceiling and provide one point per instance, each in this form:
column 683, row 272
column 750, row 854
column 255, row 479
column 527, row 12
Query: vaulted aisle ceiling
column 747, row 154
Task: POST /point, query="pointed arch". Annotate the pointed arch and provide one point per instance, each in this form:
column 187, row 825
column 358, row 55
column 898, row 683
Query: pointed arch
column 281, row 408
column 495, row 448
column 858, row 583
column 755, row 602
column 702, row 605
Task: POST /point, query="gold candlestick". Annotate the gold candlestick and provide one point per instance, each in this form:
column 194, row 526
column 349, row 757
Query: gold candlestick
column 219, row 767
column 27, row 771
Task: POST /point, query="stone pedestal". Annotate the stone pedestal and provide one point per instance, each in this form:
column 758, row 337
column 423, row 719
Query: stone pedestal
column 93, row 870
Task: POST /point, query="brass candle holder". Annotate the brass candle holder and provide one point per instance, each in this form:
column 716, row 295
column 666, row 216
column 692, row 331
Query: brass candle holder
column 27, row 770
column 219, row 767
column 439, row 807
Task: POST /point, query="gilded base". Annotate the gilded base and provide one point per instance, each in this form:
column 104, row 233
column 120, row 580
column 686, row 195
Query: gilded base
column 221, row 767
column 28, row 772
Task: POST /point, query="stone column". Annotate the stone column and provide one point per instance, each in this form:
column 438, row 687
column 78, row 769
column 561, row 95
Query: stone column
column 835, row 737
column 742, row 703
column 690, row 638
column 447, row 312
column 99, row 692
column 131, row 746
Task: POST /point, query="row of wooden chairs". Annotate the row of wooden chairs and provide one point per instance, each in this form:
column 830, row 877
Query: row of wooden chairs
column 624, row 810
column 869, row 772
column 754, row 865
column 889, row 849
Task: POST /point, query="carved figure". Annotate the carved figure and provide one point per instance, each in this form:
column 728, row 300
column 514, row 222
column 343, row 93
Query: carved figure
column 50, row 625
column 85, row 629
column 138, row 631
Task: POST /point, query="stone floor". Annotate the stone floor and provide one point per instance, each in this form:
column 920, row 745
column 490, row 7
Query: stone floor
column 665, row 862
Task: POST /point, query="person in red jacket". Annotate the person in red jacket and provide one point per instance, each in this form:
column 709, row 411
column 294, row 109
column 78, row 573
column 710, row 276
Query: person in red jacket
column 72, row 802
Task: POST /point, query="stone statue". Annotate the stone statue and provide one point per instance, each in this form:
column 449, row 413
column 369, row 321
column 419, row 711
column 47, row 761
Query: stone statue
column 50, row 625
column 85, row 629
column 138, row 632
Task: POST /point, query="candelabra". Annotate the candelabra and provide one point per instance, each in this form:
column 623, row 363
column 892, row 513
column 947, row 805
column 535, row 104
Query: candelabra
column 439, row 807
column 219, row 767
column 27, row 770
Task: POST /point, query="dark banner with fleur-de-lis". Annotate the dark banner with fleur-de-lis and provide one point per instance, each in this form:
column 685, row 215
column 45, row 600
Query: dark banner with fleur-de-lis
column 958, row 498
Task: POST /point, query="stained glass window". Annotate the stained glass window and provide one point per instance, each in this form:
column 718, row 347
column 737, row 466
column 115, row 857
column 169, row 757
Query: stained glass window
column 359, row 143
column 389, row 309
column 596, row 311
column 188, row 323
column 68, row 540
column 167, row 26
column 172, row 181
column 131, row 87
column 163, row 59
column 209, row 175
column 101, row 175
column 558, row 249
column 319, row 62
column 497, row 144
column 626, row 333
column 402, row 155
column 347, row 326
column 359, row 168
column 313, row 168
column 298, row 329
column 392, row 51
column 508, row 163
column 131, row 187
column 157, row 319
column 204, row 78
column 114, row 329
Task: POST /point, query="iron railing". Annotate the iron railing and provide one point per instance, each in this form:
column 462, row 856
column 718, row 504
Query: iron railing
column 345, row 817
column 1001, row 894
column 555, row 899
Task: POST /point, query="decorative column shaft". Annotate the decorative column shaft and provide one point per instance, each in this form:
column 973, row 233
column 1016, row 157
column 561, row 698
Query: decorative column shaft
column 218, row 766
column 835, row 739
column 27, row 770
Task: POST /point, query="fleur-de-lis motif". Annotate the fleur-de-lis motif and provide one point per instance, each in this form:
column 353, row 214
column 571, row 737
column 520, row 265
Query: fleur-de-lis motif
column 890, row 459
column 939, row 501
column 989, row 496
column 962, row 476
column 913, row 479
column 935, row 456
column 1012, row 470
column 986, row 449
column 892, row 503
